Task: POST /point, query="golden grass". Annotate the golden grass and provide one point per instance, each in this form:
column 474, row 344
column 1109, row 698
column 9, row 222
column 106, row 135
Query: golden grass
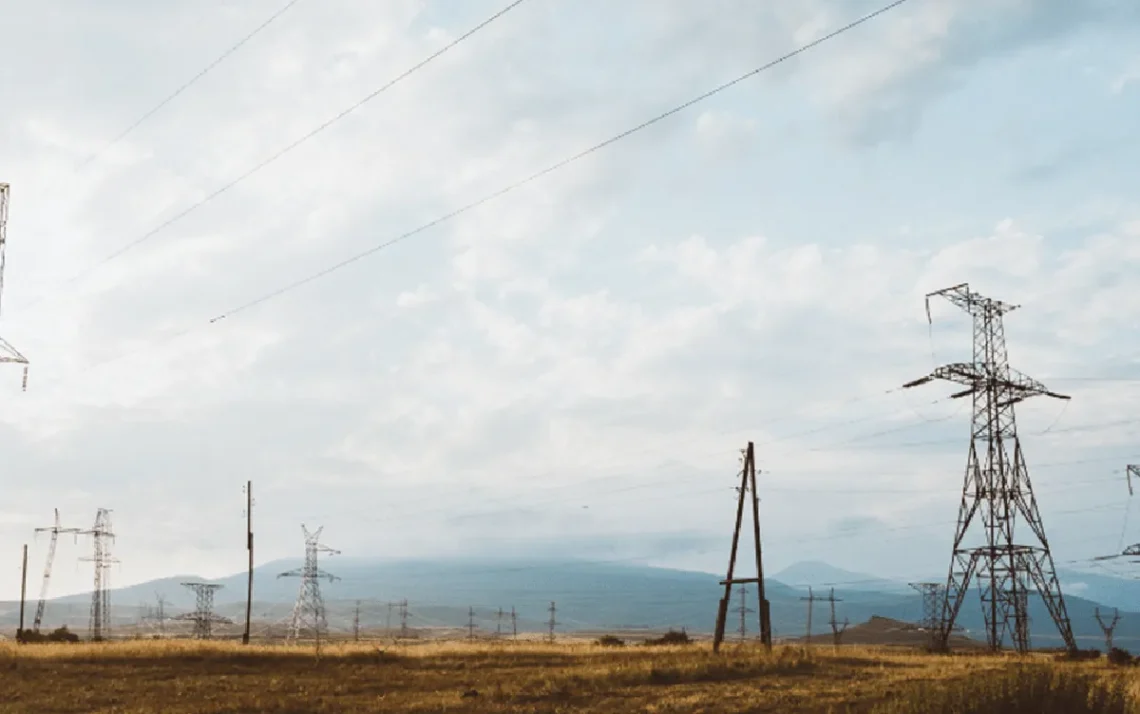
column 185, row 676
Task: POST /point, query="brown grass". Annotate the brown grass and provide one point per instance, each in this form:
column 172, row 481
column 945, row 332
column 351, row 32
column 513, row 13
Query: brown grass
column 148, row 676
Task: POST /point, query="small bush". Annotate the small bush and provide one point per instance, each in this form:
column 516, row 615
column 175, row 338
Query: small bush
column 610, row 641
column 672, row 637
column 1120, row 657
column 61, row 634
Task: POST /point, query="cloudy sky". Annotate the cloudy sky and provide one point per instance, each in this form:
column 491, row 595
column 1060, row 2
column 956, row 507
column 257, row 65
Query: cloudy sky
column 572, row 367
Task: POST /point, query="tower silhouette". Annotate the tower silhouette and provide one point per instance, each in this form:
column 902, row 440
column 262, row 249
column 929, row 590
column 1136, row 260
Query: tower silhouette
column 996, row 489
column 309, row 611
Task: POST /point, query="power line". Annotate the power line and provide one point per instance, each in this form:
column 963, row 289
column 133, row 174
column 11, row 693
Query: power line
column 555, row 167
column 297, row 142
column 193, row 80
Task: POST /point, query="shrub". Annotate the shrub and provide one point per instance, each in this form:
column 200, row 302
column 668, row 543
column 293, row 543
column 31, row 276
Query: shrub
column 1120, row 656
column 61, row 634
column 672, row 637
column 610, row 641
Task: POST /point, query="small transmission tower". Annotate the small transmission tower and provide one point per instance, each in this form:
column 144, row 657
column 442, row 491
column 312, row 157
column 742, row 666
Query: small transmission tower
column 996, row 488
column 55, row 530
column 933, row 596
column 203, row 616
column 310, row 608
column 8, row 353
column 102, row 536
column 1108, row 627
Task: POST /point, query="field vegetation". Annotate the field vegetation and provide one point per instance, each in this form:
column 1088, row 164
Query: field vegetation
column 213, row 677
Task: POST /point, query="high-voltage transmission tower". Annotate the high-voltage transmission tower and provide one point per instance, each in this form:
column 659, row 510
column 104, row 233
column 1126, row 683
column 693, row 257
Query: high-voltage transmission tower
column 203, row 616
column 933, row 597
column 8, row 353
column 102, row 536
column 996, row 489
column 310, row 608
column 55, row 530
column 1108, row 627
column 743, row 611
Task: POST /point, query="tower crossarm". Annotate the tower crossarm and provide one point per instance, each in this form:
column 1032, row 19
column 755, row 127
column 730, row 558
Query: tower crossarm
column 977, row 376
column 969, row 301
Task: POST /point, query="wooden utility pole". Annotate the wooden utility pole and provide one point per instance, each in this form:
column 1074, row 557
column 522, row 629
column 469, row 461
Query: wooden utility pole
column 811, row 598
column 249, row 547
column 747, row 485
column 23, row 594
column 837, row 628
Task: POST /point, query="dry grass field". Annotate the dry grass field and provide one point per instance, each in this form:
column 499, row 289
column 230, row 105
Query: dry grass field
column 183, row 676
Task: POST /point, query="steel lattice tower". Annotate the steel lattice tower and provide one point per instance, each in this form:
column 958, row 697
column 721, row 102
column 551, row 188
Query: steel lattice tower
column 203, row 616
column 310, row 608
column 55, row 530
column 996, row 486
column 933, row 595
column 102, row 536
column 8, row 353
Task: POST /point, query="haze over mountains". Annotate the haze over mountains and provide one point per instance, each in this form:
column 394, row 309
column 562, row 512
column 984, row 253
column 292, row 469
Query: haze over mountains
column 589, row 596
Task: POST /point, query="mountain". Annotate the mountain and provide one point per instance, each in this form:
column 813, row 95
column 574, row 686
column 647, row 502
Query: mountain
column 587, row 596
column 821, row 576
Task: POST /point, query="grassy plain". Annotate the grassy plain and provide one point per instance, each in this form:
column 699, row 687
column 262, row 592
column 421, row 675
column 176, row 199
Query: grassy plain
column 214, row 677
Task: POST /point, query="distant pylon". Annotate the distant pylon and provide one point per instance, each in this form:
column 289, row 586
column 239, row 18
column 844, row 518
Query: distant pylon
column 310, row 607
column 810, row 599
column 997, row 486
column 1108, row 627
column 102, row 536
column 933, row 597
column 743, row 611
column 470, row 623
column 404, row 632
column 55, row 530
column 8, row 353
column 203, row 616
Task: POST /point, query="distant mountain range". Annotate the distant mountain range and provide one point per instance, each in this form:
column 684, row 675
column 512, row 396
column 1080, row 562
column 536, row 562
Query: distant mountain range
column 589, row 596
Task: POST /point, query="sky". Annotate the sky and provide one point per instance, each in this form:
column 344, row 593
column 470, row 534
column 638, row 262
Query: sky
column 572, row 367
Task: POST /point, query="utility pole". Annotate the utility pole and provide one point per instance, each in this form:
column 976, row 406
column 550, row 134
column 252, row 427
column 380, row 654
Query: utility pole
column 499, row 624
column 388, row 621
column 8, row 353
column 356, row 623
column 203, row 616
column 23, row 594
column 403, row 619
column 248, row 547
column 743, row 611
column 55, row 530
column 101, row 536
column 1130, row 471
column 550, row 624
column 1108, row 627
column 837, row 628
column 471, row 623
column 933, row 599
column 810, row 599
column 747, row 485
column 514, row 624
column 996, row 486
column 310, row 606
